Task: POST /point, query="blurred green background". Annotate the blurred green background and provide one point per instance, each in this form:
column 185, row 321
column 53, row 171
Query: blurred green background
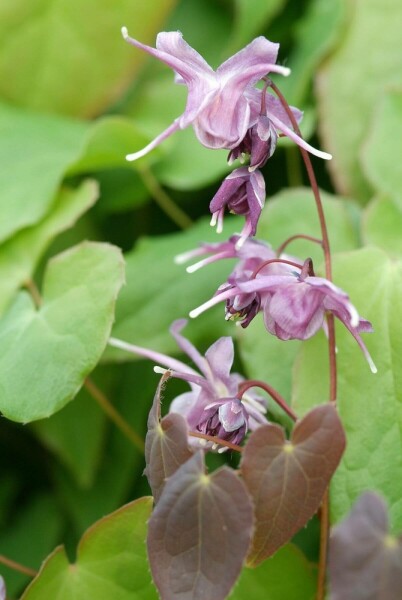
column 74, row 100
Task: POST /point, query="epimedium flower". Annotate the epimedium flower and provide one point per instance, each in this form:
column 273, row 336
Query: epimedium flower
column 222, row 105
column 242, row 193
column 212, row 406
column 294, row 304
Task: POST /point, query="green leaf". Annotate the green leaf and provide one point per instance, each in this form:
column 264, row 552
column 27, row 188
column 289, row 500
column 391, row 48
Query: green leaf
column 317, row 32
column 76, row 435
column 69, row 56
column 111, row 562
column 20, row 255
column 50, row 350
column 158, row 286
column 382, row 225
column 35, row 151
column 251, row 16
column 286, row 575
column 293, row 211
column 106, row 145
column 351, row 82
column 369, row 405
column 384, row 145
column 29, row 538
column 111, row 487
column 288, row 213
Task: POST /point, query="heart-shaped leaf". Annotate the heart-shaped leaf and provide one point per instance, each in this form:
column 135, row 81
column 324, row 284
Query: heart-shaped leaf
column 199, row 533
column 365, row 561
column 111, row 562
column 287, row 480
column 166, row 444
column 52, row 349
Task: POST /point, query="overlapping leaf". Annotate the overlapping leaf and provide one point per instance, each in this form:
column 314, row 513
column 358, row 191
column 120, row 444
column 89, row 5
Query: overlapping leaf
column 351, row 82
column 365, row 561
column 50, row 350
column 166, row 444
column 35, row 151
column 285, row 576
column 111, row 562
column 199, row 533
column 382, row 225
column 70, row 55
column 287, row 480
column 20, row 254
column 383, row 145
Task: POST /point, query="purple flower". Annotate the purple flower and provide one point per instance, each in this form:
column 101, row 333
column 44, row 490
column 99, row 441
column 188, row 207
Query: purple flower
column 242, row 193
column 294, row 304
column 222, row 105
column 211, row 407
column 2, row 589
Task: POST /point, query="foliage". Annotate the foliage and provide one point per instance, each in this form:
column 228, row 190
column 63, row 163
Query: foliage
column 74, row 100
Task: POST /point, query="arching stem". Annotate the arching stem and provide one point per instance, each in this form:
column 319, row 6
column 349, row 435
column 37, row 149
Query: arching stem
column 324, row 529
column 243, row 387
column 298, row 236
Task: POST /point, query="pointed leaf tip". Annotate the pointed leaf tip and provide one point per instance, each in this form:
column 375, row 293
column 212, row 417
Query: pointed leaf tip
column 288, row 486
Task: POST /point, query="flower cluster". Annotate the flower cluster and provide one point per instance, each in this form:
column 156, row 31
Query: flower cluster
column 233, row 108
column 227, row 110
column 213, row 406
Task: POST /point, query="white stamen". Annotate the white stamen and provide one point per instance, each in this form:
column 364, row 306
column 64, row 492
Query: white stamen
column 254, row 404
column 372, row 366
column 202, row 442
column 160, row 370
column 212, row 301
column 222, row 450
column 354, row 316
column 124, row 32
column 215, row 446
column 179, row 259
column 214, row 218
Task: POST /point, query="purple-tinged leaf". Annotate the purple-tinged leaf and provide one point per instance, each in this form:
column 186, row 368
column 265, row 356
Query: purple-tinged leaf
column 199, row 533
column 287, row 480
column 365, row 561
column 166, row 444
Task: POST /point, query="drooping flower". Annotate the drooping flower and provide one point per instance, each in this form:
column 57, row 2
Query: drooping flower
column 222, row 105
column 211, row 407
column 294, row 304
column 242, row 193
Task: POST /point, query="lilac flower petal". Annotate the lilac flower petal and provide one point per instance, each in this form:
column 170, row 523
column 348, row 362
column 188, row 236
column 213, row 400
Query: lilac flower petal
column 184, row 403
column 335, row 298
column 298, row 140
column 155, row 142
column 231, row 415
column 297, row 309
column 355, row 333
column 188, row 348
column 225, row 295
column 220, row 358
column 157, row 357
column 264, row 283
column 260, row 54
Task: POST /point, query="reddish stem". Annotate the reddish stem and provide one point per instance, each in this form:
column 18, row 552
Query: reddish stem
column 324, row 529
column 243, row 387
column 216, row 440
column 302, row 236
column 12, row 564
column 275, row 260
